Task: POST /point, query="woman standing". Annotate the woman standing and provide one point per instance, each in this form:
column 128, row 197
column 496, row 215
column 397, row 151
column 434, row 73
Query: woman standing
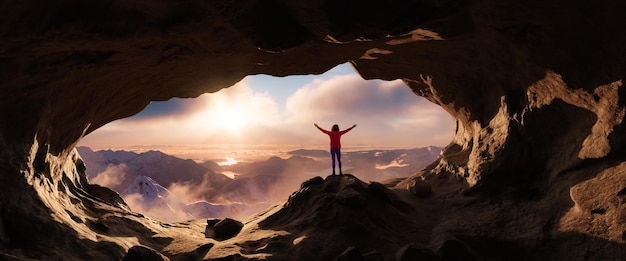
column 335, row 143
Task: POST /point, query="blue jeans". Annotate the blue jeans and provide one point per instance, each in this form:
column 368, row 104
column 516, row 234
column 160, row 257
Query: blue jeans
column 335, row 153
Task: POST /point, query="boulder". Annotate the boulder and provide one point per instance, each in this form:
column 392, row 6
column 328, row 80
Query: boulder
column 212, row 221
column 143, row 253
column 313, row 181
column 420, row 188
column 227, row 228
column 351, row 198
column 381, row 191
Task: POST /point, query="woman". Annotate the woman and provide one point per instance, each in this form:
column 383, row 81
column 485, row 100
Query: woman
column 335, row 143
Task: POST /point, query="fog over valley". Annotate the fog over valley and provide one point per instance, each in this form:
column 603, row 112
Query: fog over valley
column 172, row 189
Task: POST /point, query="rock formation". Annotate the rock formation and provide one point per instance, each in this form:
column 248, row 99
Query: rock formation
column 535, row 169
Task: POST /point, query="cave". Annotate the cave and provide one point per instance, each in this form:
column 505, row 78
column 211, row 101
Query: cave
column 535, row 169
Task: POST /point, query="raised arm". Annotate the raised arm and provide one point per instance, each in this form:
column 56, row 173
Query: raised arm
column 348, row 129
column 322, row 130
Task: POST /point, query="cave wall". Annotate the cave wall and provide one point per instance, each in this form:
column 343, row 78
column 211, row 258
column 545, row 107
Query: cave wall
column 535, row 87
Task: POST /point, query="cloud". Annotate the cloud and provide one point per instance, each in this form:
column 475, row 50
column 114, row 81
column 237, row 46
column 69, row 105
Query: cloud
column 351, row 94
column 190, row 192
column 387, row 112
column 161, row 210
column 112, row 176
column 227, row 116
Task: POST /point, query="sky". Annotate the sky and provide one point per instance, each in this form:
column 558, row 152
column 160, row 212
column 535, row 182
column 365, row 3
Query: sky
column 267, row 110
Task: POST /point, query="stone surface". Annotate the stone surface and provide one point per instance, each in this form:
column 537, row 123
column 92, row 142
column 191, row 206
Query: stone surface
column 227, row 228
column 351, row 198
column 453, row 250
column 415, row 252
column 143, row 253
column 535, row 88
column 313, row 181
column 420, row 188
column 350, row 254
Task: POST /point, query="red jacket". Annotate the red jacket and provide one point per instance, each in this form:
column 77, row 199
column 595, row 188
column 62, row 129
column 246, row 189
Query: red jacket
column 335, row 136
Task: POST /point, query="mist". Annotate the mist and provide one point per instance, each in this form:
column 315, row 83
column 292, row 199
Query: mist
column 112, row 176
column 169, row 189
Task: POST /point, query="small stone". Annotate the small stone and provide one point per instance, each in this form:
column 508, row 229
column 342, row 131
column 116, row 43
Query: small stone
column 144, row 253
column 622, row 192
column 227, row 228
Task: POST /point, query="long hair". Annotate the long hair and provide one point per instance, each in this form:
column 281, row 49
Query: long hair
column 335, row 127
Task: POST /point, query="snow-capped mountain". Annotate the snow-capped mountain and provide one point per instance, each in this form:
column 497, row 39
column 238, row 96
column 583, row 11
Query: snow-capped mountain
column 173, row 189
column 146, row 196
column 118, row 169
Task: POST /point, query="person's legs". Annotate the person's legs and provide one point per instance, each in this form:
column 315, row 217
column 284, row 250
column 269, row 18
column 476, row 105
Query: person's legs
column 338, row 151
column 332, row 157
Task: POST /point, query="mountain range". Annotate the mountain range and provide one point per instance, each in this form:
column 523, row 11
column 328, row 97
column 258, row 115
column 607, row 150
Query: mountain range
column 172, row 189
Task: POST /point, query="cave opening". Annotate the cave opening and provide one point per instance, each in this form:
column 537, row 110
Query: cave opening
column 246, row 147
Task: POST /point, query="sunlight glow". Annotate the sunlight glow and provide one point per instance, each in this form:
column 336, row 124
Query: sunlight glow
column 232, row 119
column 283, row 111
column 229, row 161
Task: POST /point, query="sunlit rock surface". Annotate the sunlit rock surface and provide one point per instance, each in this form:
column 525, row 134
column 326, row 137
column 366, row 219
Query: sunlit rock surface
column 534, row 171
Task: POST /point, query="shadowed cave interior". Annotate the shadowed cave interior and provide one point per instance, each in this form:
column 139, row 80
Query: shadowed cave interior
column 535, row 169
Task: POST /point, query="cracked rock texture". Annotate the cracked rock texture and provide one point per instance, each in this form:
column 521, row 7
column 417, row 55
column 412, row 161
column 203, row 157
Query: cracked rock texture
column 534, row 170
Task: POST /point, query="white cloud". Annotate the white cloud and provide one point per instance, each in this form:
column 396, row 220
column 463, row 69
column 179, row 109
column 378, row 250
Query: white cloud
column 227, row 116
column 112, row 176
column 387, row 113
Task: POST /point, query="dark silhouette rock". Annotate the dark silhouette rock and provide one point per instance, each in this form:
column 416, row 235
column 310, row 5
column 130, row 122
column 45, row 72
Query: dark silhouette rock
column 413, row 252
column 351, row 198
column 350, row 254
column 599, row 211
column 313, row 181
column 374, row 256
column 107, row 195
column 144, row 253
column 420, row 188
column 226, row 228
column 381, row 191
column 453, row 250
column 212, row 221
column 208, row 230
column 622, row 192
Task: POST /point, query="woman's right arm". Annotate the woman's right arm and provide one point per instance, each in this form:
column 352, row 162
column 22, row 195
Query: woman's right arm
column 322, row 130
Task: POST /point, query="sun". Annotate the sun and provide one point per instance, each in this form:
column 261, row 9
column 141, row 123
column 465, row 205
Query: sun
column 232, row 119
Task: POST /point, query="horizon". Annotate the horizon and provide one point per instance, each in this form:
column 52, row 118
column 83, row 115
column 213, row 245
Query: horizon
column 267, row 111
column 253, row 153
